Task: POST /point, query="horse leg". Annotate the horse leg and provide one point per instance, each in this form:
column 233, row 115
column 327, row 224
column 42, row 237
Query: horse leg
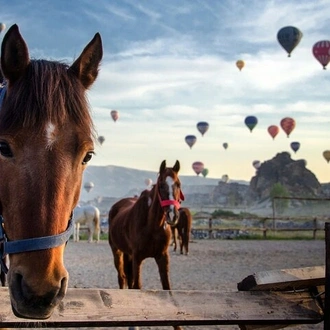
column 128, row 268
column 2, row 273
column 77, row 232
column 118, row 258
column 97, row 227
column 185, row 238
column 173, row 238
column 136, row 265
column 90, row 234
column 163, row 268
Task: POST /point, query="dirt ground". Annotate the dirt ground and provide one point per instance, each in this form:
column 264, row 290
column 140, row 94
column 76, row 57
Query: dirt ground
column 210, row 265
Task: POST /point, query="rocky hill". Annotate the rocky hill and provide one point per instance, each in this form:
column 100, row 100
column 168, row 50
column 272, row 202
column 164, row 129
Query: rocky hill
column 292, row 174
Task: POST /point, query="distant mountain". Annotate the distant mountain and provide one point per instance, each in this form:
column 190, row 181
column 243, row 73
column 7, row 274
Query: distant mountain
column 117, row 181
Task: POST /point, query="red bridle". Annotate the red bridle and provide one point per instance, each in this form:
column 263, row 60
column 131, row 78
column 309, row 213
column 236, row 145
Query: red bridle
column 168, row 202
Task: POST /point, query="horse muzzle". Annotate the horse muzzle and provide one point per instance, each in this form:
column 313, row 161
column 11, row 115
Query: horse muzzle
column 28, row 304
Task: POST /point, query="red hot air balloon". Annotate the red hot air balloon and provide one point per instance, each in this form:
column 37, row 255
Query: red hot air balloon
column 288, row 124
column 114, row 115
column 198, row 167
column 190, row 140
column 273, row 131
column 321, row 51
column 203, row 127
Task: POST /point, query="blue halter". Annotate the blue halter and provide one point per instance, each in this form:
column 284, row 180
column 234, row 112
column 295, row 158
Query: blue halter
column 30, row 244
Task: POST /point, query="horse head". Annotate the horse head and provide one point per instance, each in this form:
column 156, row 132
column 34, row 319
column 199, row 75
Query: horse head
column 169, row 191
column 46, row 140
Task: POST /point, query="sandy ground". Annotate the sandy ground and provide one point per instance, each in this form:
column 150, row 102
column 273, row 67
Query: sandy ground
column 210, row 265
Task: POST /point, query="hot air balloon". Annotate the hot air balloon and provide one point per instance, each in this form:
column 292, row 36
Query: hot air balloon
column 251, row 122
column 203, row 126
column 198, row 167
column 295, row 146
column 225, row 145
column 321, row 51
column 89, row 186
column 273, row 131
column 225, row 178
column 2, row 27
column 240, row 64
column 288, row 124
column 148, row 182
column 256, row 164
column 101, row 139
column 190, row 140
column 205, row 172
column 289, row 37
column 114, row 115
column 326, row 155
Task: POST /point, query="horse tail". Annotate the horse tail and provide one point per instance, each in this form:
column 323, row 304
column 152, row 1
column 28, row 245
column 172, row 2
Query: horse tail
column 97, row 219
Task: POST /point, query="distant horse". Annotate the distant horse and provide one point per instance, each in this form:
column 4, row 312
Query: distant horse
column 88, row 215
column 183, row 228
column 46, row 140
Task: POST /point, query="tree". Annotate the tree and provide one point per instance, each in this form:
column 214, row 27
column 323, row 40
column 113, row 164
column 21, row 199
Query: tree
column 278, row 190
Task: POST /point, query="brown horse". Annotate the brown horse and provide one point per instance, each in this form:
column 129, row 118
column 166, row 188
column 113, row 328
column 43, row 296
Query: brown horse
column 139, row 228
column 46, row 140
column 183, row 228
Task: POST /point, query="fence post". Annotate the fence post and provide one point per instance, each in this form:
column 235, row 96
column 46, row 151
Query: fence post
column 210, row 228
column 327, row 277
column 264, row 227
column 315, row 227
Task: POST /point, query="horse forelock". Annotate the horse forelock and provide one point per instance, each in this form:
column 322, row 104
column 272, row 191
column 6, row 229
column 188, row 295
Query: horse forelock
column 46, row 93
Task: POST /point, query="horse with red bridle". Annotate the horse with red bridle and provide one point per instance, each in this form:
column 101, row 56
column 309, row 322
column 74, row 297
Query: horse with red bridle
column 140, row 228
column 182, row 229
column 46, row 141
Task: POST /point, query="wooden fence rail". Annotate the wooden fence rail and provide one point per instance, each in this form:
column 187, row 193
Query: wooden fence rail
column 212, row 229
column 265, row 300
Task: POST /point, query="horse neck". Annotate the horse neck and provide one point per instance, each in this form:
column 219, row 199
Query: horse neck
column 156, row 213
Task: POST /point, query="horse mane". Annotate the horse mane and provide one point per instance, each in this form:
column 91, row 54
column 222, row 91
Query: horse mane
column 47, row 92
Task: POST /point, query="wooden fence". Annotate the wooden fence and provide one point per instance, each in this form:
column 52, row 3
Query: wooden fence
column 265, row 225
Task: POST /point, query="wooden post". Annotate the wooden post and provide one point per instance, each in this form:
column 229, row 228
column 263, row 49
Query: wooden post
column 327, row 277
column 315, row 227
column 264, row 227
column 210, row 228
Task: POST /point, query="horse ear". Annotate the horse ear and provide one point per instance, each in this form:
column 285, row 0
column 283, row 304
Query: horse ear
column 86, row 66
column 14, row 55
column 162, row 166
column 176, row 167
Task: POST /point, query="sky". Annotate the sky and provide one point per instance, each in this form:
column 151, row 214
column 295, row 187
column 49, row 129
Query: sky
column 170, row 64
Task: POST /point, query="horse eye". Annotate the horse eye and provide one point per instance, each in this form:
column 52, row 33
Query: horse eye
column 88, row 157
column 5, row 150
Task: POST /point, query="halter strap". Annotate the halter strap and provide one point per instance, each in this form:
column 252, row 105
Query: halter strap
column 30, row 244
column 168, row 202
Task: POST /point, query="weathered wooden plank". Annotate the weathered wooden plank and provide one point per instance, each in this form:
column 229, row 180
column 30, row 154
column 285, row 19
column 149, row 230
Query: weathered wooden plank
column 284, row 279
column 116, row 308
